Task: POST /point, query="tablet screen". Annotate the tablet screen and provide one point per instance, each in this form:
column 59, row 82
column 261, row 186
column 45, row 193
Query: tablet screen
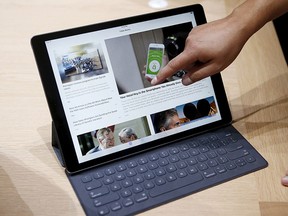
column 103, row 81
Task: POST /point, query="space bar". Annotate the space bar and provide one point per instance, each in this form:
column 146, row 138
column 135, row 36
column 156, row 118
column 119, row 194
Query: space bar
column 180, row 182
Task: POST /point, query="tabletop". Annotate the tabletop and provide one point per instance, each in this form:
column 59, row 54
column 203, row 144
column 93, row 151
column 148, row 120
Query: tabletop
column 32, row 182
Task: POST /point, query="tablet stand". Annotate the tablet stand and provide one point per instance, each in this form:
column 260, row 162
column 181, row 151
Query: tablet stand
column 55, row 144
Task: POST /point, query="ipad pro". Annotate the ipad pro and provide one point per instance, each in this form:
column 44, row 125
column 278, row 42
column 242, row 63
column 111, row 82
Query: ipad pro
column 128, row 146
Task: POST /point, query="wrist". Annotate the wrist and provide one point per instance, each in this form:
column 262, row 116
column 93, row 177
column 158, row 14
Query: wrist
column 245, row 20
column 254, row 14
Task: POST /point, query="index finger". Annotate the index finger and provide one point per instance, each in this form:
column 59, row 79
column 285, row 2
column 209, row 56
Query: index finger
column 182, row 61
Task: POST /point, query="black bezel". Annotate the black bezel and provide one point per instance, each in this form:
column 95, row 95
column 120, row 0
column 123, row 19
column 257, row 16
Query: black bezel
column 56, row 107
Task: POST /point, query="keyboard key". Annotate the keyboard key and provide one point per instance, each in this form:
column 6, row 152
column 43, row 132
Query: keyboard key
column 234, row 146
column 201, row 158
column 142, row 169
column 181, row 173
column 108, row 180
column 202, row 166
column 163, row 154
column 191, row 161
column 103, row 210
column 231, row 166
column 149, row 175
column 171, row 177
column 209, row 173
column 204, row 149
column 250, row 159
column 213, row 145
column 212, row 163
column 86, row 179
column 98, row 175
column 142, row 161
column 121, row 168
column 126, row 193
column 106, row 199
column 149, row 185
column 115, row 187
column 184, row 147
column 181, row 165
column 163, row 162
column 128, row 202
column 228, row 140
column 119, row 176
column 127, row 183
column 181, row 182
column 174, row 150
column 193, row 144
column 220, row 169
column 203, row 140
column 138, row 179
column 132, row 164
column 93, row 185
column 212, row 138
column 221, row 151
column 130, row 173
column 137, row 189
column 222, row 160
column 152, row 166
column 141, row 197
column 173, row 159
column 193, row 152
column 160, row 172
column 171, row 168
column 234, row 138
column 192, row 170
column 237, row 154
column 99, row 192
column 153, row 157
column 184, row 155
column 109, row 171
column 240, row 162
column 160, row 181
column 116, row 206
column 211, row 154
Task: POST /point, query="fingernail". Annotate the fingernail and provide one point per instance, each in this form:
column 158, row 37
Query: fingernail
column 187, row 80
column 285, row 180
column 154, row 81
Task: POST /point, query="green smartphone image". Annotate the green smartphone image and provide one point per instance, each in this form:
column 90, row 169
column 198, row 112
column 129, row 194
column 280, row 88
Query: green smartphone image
column 154, row 59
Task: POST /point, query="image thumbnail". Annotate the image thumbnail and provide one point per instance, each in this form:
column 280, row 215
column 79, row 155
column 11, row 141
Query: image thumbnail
column 130, row 55
column 184, row 114
column 189, row 112
column 111, row 136
column 80, row 61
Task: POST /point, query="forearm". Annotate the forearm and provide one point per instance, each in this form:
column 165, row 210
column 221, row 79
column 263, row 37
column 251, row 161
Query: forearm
column 211, row 47
column 254, row 14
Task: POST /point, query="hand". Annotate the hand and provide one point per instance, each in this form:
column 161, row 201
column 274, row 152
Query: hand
column 209, row 49
column 284, row 180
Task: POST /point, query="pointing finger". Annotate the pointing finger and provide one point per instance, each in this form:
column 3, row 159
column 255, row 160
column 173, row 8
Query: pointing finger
column 183, row 60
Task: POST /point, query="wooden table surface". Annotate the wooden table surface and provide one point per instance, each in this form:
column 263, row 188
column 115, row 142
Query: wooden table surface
column 31, row 180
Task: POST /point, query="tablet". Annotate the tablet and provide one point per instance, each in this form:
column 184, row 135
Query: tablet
column 99, row 95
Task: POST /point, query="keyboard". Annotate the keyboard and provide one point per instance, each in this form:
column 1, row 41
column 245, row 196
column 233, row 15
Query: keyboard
column 143, row 181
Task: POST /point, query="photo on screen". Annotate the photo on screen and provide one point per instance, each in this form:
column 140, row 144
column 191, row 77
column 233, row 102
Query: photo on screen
column 80, row 61
column 184, row 114
column 108, row 137
column 128, row 54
